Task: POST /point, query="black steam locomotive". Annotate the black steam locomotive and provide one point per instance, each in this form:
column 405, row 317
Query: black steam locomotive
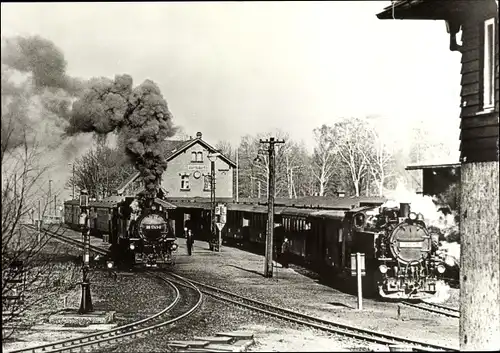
column 149, row 237
column 138, row 229
column 401, row 258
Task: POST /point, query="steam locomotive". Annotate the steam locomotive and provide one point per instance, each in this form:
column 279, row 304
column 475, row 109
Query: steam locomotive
column 138, row 229
column 401, row 259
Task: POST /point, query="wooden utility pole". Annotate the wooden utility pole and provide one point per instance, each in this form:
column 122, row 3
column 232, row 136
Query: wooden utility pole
column 237, row 182
column 268, row 266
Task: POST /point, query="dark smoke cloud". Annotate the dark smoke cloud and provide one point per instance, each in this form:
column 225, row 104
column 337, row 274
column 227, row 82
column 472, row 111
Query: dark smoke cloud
column 42, row 59
column 140, row 115
column 34, row 74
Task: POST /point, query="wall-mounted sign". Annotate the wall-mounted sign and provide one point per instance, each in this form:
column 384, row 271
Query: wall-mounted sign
column 201, row 167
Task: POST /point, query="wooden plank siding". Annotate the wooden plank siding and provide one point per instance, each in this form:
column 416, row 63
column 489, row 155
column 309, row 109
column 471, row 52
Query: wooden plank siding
column 479, row 130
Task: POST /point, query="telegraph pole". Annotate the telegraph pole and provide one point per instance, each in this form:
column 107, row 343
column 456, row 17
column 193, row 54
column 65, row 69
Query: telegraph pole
column 73, row 181
column 237, row 176
column 268, row 266
column 50, row 196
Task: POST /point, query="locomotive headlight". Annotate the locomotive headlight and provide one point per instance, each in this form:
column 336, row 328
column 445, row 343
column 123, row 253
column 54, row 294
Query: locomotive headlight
column 173, row 247
column 132, row 246
column 440, row 268
column 412, row 216
column 382, row 268
column 153, row 207
column 109, row 264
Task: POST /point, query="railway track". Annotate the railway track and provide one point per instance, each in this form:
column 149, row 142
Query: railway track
column 313, row 322
column 67, row 240
column 435, row 308
column 136, row 329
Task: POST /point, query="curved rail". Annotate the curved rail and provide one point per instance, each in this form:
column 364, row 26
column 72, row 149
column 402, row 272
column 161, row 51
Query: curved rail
column 310, row 321
column 117, row 334
column 435, row 308
column 68, row 240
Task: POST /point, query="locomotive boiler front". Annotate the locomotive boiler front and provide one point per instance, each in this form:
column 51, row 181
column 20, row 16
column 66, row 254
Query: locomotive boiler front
column 152, row 227
column 152, row 240
column 407, row 265
column 410, row 243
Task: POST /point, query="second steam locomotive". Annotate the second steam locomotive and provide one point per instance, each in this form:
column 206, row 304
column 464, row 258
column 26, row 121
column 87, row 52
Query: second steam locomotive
column 138, row 229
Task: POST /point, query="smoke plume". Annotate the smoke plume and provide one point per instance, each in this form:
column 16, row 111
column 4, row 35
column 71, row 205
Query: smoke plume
column 42, row 59
column 37, row 95
column 436, row 220
column 140, row 115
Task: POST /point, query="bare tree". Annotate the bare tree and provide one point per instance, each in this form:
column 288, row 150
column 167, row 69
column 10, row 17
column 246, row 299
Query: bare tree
column 351, row 137
column 323, row 159
column 380, row 161
column 21, row 179
column 225, row 148
column 101, row 170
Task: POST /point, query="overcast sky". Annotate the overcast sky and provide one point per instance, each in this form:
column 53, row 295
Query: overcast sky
column 232, row 68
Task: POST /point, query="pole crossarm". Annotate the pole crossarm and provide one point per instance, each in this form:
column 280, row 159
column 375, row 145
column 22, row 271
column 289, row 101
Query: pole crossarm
column 268, row 265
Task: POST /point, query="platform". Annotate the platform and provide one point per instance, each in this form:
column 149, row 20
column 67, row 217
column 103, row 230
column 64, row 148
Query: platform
column 296, row 288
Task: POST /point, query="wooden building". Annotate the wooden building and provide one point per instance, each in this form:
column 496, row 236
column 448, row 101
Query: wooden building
column 188, row 171
column 437, row 178
column 479, row 154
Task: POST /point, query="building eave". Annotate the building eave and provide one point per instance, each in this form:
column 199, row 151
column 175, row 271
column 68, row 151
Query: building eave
column 432, row 166
column 435, row 9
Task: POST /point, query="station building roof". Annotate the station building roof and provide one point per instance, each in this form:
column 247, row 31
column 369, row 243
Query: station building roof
column 430, row 9
column 432, row 166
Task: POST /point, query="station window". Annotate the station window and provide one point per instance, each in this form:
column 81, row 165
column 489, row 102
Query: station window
column 184, row 182
column 197, row 157
column 489, row 64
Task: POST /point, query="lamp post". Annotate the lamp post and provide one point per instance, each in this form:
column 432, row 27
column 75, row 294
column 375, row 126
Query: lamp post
column 212, row 157
column 73, row 180
column 86, row 301
column 268, row 265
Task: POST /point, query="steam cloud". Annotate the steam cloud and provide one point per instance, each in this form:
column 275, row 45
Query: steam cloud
column 435, row 219
column 140, row 115
column 36, row 91
column 37, row 95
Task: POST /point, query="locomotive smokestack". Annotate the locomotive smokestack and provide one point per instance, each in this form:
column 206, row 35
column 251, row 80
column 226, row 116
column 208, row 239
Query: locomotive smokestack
column 404, row 209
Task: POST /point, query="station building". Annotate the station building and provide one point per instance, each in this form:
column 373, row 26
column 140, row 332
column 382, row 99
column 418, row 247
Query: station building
column 188, row 172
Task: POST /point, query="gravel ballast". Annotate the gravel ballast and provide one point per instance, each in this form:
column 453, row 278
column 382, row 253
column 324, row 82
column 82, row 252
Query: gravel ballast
column 241, row 272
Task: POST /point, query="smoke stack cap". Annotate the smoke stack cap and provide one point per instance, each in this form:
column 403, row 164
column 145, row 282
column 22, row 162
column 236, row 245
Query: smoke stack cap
column 198, row 135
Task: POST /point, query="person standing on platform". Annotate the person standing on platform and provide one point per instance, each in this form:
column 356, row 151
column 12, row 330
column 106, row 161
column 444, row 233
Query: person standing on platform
column 189, row 240
column 285, row 253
